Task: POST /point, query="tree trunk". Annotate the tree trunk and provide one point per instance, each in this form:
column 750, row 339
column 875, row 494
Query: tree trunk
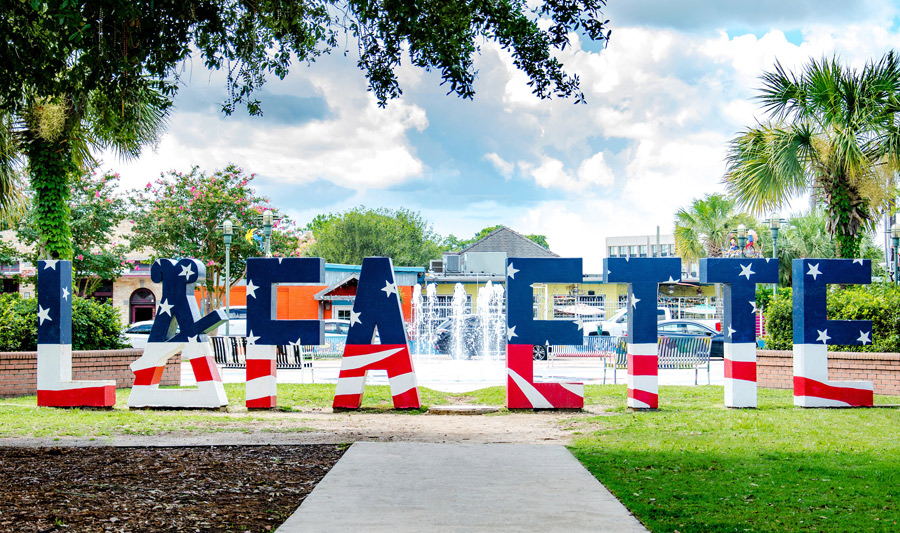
column 848, row 214
column 50, row 164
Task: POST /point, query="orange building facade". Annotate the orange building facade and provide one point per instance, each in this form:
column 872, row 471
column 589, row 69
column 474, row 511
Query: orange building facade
column 332, row 300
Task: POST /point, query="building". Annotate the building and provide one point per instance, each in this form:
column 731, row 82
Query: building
column 650, row 246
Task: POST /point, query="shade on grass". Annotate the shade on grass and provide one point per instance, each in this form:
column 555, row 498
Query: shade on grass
column 697, row 466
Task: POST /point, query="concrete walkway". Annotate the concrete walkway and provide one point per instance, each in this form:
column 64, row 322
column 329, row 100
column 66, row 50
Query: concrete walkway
column 405, row 486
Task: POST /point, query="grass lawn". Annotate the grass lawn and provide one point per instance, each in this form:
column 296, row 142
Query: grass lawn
column 696, row 466
column 20, row 417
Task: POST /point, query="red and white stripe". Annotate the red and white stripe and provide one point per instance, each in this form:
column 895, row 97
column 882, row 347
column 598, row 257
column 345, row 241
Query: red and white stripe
column 740, row 374
column 360, row 358
column 523, row 393
column 643, row 375
column 148, row 371
column 812, row 387
column 262, row 388
column 55, row 387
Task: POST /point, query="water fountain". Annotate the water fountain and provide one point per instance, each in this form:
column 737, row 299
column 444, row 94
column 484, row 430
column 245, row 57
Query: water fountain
column 459, row 305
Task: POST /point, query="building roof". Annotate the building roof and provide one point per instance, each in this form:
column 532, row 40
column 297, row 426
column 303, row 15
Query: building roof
column 512, row 243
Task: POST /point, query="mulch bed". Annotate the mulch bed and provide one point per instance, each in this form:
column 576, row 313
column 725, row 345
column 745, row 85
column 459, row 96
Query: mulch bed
column 211, row 488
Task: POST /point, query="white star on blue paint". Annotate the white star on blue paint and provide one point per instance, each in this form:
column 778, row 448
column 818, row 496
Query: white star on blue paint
column 389, row 288
column 745, row 271
column 44, row 314
column 165, row 308
column 753, row 304
column 634, row 302
column 814, row 271
column 50, row 263
column 673, row 280
column 860, row 261
column 251, row 339
column 731, row 331
column 65, row 294
column 864, row 337
column 511, row 271
column 510, row 333
column 251, row 289
column 823, row 335
column 186, row 271
column 354, row 318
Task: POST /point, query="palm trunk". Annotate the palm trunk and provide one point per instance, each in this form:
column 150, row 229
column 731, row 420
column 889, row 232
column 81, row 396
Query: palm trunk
column 848, row 214
column 50, row 164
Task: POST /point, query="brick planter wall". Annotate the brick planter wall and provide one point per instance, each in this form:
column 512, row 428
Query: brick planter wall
column 775, row 369
column 18, row 370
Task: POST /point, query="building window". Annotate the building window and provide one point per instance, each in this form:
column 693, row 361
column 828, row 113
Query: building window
column 612, row 251
column 644, row 250
column 142, row 305
column 634, row 251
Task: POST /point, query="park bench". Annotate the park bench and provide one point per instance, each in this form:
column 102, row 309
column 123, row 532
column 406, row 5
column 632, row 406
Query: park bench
column 674, row 353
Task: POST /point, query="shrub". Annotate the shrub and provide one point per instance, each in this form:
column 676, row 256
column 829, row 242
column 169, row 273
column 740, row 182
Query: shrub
column 95, row 325
column 879, row 303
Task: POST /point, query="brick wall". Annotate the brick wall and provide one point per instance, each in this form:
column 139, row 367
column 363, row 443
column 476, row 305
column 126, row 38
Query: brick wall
column 18, row 370
column 775, row 369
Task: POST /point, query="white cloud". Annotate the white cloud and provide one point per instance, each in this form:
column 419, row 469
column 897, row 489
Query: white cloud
column 595, row 171
column 503, row 166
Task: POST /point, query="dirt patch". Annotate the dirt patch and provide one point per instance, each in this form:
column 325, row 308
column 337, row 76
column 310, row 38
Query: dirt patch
column 249, row 488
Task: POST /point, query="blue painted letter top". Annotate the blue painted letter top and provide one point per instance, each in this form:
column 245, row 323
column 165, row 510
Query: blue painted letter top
column 178, row 302
column 740, row 277
column 263, row 275
column 54, row 294
column 643, row 276
column 811, row 278
column 521, row 273
column 377, row 304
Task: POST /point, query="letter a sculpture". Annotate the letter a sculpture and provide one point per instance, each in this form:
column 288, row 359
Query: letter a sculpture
column 377, row 308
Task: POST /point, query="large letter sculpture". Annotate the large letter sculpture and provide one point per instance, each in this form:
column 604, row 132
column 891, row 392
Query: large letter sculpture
column 643, row 276
column 524, row 332
column 739, row 277
column 377, row 308
column 813, row 332
column 264, row 332
column 55, row 387
column 178, row 327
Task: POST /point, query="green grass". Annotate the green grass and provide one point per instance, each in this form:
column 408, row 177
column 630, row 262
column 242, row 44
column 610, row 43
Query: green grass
column 20, row 417
column 696, row 466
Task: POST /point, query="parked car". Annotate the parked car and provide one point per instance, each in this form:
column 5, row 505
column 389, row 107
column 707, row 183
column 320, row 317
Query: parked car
column 472, row 339
column 692, row 328
column 138, row 333
column 617, row 325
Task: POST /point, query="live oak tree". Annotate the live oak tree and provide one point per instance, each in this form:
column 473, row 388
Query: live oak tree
column 77, row 74
column 353, row 235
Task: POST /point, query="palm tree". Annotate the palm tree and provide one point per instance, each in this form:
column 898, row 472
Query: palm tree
column 53, row 138
column 805, row 236
column 832, row 129
column 703, row 229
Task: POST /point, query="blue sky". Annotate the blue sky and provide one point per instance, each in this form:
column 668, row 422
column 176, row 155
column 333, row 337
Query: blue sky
column 674, row 85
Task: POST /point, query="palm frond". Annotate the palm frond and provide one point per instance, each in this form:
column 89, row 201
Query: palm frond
column 768, row 165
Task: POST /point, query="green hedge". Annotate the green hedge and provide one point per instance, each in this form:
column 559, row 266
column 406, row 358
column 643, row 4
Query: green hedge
column 95, row 325
column 879, row 303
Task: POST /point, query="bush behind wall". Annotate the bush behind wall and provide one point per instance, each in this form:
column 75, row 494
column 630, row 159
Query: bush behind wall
column 95, row 325
column 879, row 302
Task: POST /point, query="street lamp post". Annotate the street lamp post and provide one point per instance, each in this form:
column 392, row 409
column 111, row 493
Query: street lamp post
column 267, row 230
column 227, row 229
column 742, row 237
column 774, row 226
column 895, row 240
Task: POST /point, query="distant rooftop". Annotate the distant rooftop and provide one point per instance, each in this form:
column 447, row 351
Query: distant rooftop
column 510, row 242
